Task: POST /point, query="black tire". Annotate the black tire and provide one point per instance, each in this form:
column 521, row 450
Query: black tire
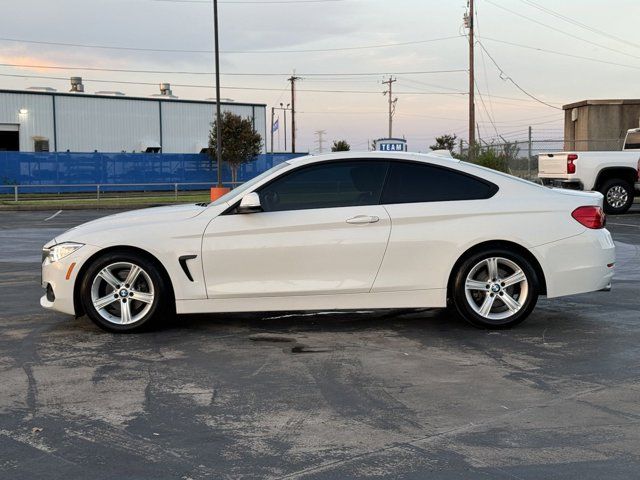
column 150, row 284
column 498, row 308
column 618, row 196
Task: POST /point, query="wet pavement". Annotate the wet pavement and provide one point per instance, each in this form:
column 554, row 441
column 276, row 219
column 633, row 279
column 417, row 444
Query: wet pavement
column 395, row 394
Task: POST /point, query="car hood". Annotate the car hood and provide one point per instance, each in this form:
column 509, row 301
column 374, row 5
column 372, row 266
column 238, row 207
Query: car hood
column 140, row 219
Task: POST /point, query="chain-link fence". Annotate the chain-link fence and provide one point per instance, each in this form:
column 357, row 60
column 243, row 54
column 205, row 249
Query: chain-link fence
column 520, row 157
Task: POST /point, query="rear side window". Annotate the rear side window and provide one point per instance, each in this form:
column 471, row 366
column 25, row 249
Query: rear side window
column 326, row 185
column 416, row 182
column 632, row 141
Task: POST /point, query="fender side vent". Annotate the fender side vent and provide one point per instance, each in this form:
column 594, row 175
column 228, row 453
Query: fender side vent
column 183, row 263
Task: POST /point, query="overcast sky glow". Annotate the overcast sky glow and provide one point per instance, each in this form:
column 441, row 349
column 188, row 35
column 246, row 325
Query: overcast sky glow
column 430, row 104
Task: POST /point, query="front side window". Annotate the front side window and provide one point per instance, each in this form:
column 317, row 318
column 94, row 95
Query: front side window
column 411, row 182
column 248, row 184
column 326, row 185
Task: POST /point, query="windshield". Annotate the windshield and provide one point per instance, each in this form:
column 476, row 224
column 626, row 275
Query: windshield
column 248, row 184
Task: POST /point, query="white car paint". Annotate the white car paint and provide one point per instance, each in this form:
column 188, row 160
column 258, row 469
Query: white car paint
column 315, row 259
column 593, row 168
column 589, row 166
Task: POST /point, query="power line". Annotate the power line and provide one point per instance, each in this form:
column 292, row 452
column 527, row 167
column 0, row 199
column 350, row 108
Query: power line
column 189, row 72
column 486, row 111
column 529, row 47
column 561, row 31
column 173, row 50
column 251, row 2
column 506, row 77
column 130, row 82
column 429, row 85
column 507, row 124
column 577, row 23
column 210, row 86
column 484, row 71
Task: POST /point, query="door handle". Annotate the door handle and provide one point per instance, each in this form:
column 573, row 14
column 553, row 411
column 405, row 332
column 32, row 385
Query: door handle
column 362, row 219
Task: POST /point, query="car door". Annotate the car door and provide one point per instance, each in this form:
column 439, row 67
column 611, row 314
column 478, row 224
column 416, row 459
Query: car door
column 321, row 231
column 435, row 211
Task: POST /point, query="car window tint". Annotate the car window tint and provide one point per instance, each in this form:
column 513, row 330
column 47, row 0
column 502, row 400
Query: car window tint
column 415, row 182
column 331, row 184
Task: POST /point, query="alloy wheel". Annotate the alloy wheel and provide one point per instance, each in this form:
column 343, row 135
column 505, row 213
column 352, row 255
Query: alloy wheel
column 496, row 288
column 122, row 293
column 617, row 196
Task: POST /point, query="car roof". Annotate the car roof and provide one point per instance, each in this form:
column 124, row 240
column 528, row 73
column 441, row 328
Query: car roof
column 434, row 158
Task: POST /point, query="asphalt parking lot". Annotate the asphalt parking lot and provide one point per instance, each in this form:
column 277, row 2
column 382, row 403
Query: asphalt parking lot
column 409, row 395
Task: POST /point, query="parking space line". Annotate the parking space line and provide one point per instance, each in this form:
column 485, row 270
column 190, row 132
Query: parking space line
column 53, row 216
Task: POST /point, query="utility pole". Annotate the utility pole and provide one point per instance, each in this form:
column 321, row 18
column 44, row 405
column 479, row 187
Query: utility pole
column 218, row 114
column 293, row 79
column 468, row 18
column 273, row 110
column 320, row 140
column 392, row 103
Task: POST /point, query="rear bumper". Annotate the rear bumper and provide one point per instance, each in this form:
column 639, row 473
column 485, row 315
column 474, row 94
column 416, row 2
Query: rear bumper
column 563, row 183
column 579, row 264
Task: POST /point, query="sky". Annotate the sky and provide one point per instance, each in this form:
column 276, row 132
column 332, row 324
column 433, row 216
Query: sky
column 556, row 52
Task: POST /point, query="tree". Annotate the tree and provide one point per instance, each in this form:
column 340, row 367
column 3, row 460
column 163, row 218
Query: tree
column 240, row 143
column 445, row 142
column 340, row 146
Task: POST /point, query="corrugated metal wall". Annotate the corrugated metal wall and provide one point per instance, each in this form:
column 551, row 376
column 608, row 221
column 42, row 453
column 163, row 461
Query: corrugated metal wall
column 186, row 126
column 85, row 123
column 37, row 121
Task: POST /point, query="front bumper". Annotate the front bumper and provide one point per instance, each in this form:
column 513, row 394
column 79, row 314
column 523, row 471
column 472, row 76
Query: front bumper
column 59, row 279
column 578, row 264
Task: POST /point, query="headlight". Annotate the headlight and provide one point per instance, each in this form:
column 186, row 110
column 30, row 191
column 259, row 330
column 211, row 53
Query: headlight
column 59, row 251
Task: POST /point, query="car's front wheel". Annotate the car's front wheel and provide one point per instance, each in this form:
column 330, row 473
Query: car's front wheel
column 495, row 289
column 123, row 292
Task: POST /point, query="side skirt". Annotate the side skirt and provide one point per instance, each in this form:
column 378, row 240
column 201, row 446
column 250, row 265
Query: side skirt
column 435, row 298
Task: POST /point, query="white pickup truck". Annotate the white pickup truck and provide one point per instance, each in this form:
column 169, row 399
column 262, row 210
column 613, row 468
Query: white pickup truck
column 614, row 174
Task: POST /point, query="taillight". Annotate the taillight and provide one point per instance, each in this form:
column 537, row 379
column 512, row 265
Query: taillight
column 590, row 217
column 571, row 167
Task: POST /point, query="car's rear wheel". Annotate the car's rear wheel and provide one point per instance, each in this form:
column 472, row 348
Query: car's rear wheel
column 124, row 292
column 618, row 196
column 495, row 289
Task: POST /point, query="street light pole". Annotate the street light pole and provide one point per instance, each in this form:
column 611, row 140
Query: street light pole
column 285, row 129
column 218, row 114
column 272, row 118
column 284, row 109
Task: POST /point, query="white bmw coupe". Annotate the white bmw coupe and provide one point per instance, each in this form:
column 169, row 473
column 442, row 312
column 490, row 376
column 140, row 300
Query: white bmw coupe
column 339, row 231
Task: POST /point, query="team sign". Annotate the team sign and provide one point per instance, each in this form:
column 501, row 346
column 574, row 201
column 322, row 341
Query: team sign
column 391, row 146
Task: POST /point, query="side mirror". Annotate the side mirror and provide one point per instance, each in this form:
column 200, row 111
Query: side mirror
column 250, row 203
